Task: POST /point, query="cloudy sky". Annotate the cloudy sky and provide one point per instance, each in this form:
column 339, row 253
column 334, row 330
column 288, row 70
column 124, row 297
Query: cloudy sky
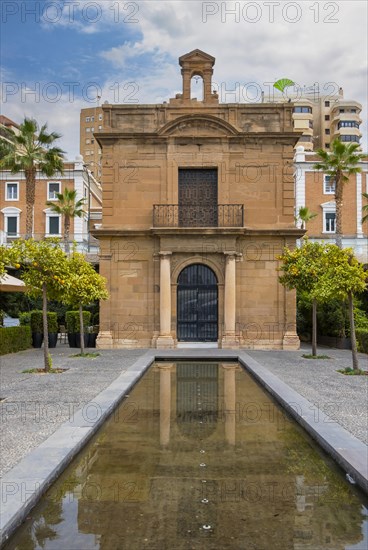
column 58, row 56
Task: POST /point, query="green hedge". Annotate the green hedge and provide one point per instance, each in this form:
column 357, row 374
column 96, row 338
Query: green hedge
column 72, row 321
column 362, row 339
column 14, row 339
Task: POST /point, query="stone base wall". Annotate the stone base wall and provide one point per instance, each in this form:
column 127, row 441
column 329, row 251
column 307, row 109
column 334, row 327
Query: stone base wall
column 265, row 311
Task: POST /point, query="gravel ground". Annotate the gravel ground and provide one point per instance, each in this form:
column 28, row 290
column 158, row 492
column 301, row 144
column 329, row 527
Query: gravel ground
column 344, row 398
column 35, row 405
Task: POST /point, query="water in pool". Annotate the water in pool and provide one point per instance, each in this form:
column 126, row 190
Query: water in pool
column 198, row 457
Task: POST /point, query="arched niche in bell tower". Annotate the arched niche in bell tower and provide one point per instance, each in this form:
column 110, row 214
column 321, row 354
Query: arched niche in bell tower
column 198, row 64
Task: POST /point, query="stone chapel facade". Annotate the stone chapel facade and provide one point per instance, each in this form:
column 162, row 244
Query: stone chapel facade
column 198, row 201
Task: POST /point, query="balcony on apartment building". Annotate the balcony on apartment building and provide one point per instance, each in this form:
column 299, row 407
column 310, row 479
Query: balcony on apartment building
column 85, row 243
column 219, row 215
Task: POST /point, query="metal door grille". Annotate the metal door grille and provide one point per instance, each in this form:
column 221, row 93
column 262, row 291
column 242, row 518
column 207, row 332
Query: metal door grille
column 197, row 306
column 198, row 197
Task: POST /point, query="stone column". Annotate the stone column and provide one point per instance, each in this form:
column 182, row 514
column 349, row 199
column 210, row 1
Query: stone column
column 165, row 403
column 229, row 403
column 290, row 339
column 229, row 338
column 165, row 339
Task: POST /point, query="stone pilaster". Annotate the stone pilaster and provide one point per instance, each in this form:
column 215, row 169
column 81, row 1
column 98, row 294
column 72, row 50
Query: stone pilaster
column 165, row 339
column 229, row 339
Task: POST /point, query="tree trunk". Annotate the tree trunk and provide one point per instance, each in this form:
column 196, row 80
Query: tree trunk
column 30, row 174
column 339, row 204
column 314, row 327
column 66, row 234
column 45, row 328
column 354, row 350
column 81, row 329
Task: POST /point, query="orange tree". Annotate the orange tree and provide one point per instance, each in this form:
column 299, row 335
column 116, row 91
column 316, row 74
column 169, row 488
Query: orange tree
column 342, row 276
column 45, row 271
column 84, row 286
column 301, row 269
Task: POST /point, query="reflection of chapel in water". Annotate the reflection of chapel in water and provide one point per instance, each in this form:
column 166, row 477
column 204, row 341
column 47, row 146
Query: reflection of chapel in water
column 262, row 481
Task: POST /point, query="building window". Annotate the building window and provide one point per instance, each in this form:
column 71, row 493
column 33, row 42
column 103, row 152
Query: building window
column 92, row 118
column 87, row 119
column 328, row 185
column 88, row 141
column 92, row 129
column 100, row 127
column 11, row 191
column 12, row 226
column 53, row 189
column 92, row 140
column 353, row 111
column 356, row 139
column 88, row 129
column 54, row 225
column 348, row 124
column 327, row 117
column 327, row 145
column 310, row 124
column 99, row 117
column 327, row 103
column 327, row 131
column 329, row 222
column 302, row 109
column 11, row 221
column 341, row 110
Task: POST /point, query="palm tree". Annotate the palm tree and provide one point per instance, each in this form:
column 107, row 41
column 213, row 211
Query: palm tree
column 365, row 208
column 69, row 207
column 305, row 215
column 29, row 151
column 339, row 163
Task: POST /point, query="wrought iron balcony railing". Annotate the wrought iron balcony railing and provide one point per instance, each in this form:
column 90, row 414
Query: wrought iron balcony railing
column 220, row 215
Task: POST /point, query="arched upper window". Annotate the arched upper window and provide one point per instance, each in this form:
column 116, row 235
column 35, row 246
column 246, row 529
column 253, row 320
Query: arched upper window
column 196, row 88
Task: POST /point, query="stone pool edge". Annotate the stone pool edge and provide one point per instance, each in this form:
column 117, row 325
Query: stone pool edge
column 23, row 485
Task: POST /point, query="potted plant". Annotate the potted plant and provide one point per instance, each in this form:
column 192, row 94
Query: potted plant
column 53, row 328
column 70, row 328
column 37, row 328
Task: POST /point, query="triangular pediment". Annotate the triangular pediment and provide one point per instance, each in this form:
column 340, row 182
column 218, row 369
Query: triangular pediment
column 198, row 125
column 197, row 55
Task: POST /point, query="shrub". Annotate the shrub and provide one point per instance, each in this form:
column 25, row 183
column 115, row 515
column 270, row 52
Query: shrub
column 362, row 339
column 25, row 318
column 36, row 321
column 52, row 322
column 72, row 321
column 14, row 339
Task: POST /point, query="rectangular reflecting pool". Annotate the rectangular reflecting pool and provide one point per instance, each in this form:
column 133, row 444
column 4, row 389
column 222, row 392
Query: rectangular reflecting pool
column 198, row 456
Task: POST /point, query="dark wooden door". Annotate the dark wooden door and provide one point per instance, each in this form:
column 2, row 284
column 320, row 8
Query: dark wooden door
column 198, row 197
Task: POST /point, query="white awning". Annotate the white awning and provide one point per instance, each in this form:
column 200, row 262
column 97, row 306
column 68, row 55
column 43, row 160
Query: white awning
column 8, row 283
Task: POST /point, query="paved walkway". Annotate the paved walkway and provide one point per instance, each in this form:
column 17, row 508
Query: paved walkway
column 34, row 406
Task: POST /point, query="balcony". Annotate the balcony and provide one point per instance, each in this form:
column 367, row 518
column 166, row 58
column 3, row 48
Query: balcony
column 220, row 215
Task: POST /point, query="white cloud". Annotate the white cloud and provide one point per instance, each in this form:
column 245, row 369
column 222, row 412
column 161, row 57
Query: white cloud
column 150, row 36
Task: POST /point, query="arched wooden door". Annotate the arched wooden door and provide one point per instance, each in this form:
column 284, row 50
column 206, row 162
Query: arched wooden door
column 197, row 304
